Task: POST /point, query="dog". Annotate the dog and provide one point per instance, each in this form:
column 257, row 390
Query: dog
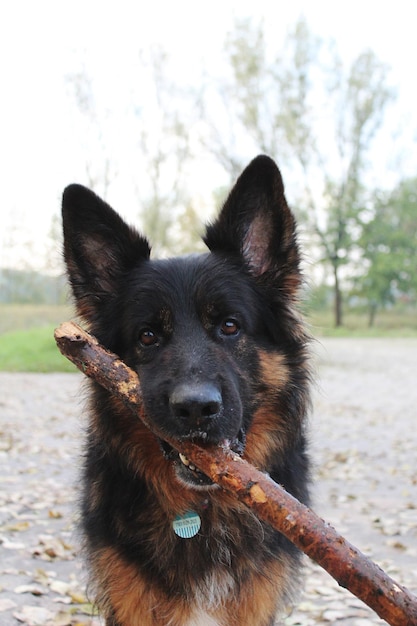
column 222, row 355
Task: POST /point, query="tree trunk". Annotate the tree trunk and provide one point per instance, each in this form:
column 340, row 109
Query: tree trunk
column 338, row 301
column 372, row 313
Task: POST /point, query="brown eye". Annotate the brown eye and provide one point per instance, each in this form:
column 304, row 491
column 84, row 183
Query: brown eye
column 230, row 327
column 148, row 338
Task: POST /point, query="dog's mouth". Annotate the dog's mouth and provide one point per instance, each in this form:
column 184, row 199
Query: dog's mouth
column 187, row 473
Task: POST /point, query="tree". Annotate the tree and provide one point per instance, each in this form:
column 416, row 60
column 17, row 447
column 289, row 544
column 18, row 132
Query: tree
column 167, row 213
column 100, row 172
column 158, row 146
column 304, row 108
column 389, row 244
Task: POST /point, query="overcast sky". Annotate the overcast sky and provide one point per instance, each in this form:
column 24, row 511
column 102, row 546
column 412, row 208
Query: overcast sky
column 41, row 42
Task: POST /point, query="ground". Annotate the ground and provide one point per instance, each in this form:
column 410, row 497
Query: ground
column 363, row 444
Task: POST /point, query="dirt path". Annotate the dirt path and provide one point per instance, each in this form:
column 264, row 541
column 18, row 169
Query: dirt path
column 364, row 445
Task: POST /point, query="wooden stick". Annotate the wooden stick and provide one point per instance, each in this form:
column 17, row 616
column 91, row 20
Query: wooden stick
column 350, row 568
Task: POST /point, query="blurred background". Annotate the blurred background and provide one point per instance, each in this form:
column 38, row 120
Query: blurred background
column 158, row 107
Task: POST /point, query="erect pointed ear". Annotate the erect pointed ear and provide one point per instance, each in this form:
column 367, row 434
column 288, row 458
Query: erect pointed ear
column 99, row 247
column 257, row 226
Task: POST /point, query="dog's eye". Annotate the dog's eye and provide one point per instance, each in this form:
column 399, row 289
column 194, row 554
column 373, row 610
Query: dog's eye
column 230, row 327
column 148, row 338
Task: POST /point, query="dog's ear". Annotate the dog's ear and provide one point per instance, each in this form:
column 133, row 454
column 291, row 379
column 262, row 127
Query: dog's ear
column 256, row 225
column 99, row 248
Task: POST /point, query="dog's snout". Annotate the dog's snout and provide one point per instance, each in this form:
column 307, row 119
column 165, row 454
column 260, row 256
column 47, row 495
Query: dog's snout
column 196, row 404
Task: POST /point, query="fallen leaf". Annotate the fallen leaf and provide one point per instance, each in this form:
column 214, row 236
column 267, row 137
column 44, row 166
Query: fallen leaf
column 33, row 589
column 17, row 527
column 12, row 545
column 77, row 597
column 59, row 586
column 33, row 615
column 6, row 604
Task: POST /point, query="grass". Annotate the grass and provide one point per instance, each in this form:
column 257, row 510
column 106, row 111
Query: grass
column 27, row 343
column 25, row 316
column 387, row 324
column 32, row 350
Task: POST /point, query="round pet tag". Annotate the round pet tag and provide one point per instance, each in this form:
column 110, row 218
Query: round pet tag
column 187, row 525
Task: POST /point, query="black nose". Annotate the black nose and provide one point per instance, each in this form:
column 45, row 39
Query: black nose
column 196, row 404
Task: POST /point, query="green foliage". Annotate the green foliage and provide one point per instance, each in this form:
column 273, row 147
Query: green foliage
column 301, row 105
column 389, row 244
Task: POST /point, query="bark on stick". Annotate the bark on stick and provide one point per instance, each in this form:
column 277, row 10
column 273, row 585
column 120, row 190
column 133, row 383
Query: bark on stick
column 348, row 566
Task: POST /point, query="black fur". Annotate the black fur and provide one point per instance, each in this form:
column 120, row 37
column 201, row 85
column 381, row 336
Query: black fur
column 221, row 355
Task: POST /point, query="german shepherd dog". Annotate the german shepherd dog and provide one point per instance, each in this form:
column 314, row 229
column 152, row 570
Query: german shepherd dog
column 221, row 354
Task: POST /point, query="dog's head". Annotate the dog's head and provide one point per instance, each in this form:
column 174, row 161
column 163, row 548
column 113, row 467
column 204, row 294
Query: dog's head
column 209, row 335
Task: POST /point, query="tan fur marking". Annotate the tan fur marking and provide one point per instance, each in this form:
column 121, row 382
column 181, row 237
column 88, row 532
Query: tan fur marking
column 258, row 599
column 267, row 431
column 136, row 602
column 274, row 370
column 264, row 438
